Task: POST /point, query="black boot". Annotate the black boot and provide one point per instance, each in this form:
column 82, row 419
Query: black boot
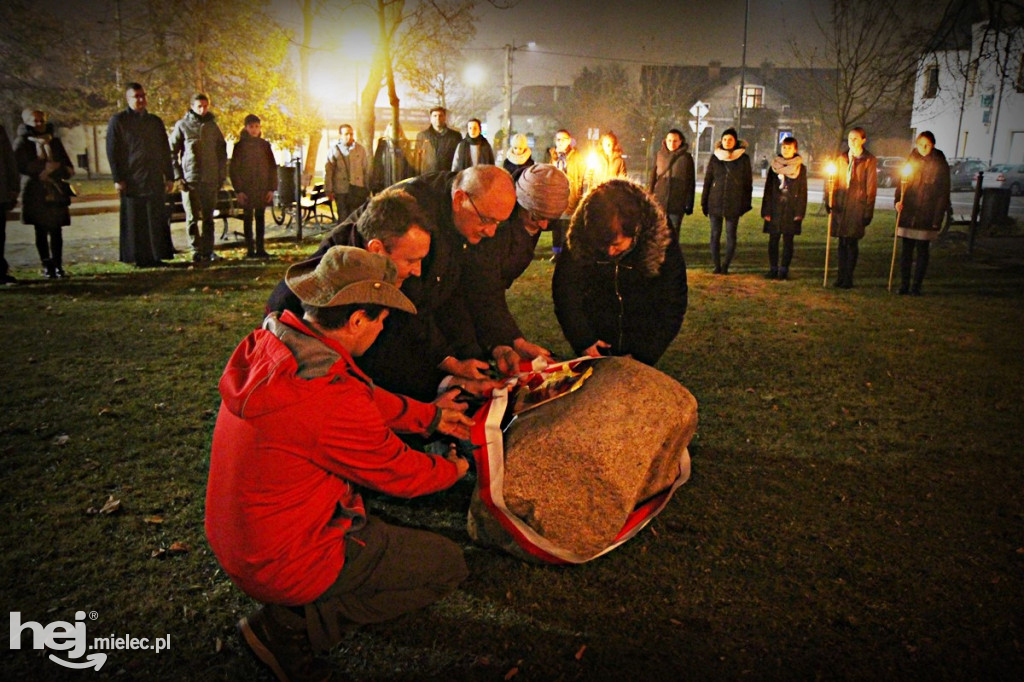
column 773, row 273
column 783, row 273
column 49, row 269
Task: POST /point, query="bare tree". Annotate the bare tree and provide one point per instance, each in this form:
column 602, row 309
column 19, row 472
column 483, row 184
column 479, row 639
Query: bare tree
column 874, row 49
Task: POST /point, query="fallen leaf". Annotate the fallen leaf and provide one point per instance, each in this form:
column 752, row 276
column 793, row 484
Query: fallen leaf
column 179, row 548
column 579, row 654
column 160, row 406
column 158, row 553
column 106, row 411
column 119, row 380
column 61, row 439
column 218, row 645
column 675, row 622
column 511, row 673
column 109, row 507
column 152, row 519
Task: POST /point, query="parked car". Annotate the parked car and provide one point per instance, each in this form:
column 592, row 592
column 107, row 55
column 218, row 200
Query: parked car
column 889, row 169
column 962, row 174
column 1007, row 176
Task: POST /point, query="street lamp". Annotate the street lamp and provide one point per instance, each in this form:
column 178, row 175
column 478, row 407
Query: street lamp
column 509, row 49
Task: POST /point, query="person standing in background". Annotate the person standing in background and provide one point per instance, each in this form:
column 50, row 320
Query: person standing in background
column 347, row 173
column 9, row 186
column 853, row 203
column 922, row 208
column 673, row 179
column 728, row 188
column 784, row 206
column 253, row 172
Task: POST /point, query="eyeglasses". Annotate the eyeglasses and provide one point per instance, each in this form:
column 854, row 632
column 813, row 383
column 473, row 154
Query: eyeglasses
column 484, row 220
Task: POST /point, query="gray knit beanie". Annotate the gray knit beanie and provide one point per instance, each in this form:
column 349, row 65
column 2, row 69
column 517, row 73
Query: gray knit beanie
column 543, row 190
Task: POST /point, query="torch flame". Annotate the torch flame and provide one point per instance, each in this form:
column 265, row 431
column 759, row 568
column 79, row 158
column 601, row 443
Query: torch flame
column 831, row 168
column 907, row 171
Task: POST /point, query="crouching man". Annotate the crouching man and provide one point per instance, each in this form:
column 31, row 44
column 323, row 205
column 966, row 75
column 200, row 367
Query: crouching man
column 300, row 429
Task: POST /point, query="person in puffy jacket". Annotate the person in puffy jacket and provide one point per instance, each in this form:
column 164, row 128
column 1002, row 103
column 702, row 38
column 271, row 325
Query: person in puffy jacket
column 922, row 204
column 199, row 155
column 728, row 187
column 620, row 289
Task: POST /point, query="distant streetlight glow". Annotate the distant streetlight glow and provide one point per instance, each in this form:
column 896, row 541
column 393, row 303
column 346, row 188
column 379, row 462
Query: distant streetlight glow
column 474, row 75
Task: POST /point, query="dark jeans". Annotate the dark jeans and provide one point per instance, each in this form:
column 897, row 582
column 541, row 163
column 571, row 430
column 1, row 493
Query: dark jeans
column 389, row 570
column 200, row 202
column 3, row 240
column 559, row 228
column 907, row 263
column 50, row 245
column 346, row 203
column 773, row 250
column 259, row 215
column 716, row 238
column 849, row 249
column 675, row 221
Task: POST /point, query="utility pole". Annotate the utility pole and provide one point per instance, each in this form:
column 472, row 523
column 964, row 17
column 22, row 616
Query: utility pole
column 509, row 49
column 743, row 70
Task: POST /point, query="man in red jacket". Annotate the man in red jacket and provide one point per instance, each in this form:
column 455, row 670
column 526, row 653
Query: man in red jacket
column 299, row 428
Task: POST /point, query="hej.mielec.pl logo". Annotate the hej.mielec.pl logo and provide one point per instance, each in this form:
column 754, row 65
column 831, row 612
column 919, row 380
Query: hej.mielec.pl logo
column 72, row 639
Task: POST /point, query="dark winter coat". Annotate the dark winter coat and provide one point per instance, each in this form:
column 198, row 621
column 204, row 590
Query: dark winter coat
column 198, row 150
column 673, row 180
column 635, row 302
column 44, row 201
column 253, row 167
column 728, row 183
column 853, row 199
column 435, row 151
column 512, row 167
column 785, row 202
column 139, row 153
column 405, row 356
column 463, row 159
column 10, row 182
column 492, row 266
column 926, row 199
column 389, row 168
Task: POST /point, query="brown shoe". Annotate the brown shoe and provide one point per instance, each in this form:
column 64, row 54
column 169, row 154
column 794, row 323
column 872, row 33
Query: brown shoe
column 284, row 649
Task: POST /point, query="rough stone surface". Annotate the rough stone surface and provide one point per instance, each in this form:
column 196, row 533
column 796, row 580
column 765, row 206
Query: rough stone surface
column 576, row 467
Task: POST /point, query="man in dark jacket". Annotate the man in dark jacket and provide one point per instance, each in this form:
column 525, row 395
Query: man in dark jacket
column 621, row 287
column 414, row 353
column 673, row 179
column 853, row 203
column 200, row 158
column 9, row 188
column 254, row 179
column 435, row 146
column 140, row 163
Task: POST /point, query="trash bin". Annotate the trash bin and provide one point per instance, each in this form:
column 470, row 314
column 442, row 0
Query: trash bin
column 286, row 185
column 995, row 206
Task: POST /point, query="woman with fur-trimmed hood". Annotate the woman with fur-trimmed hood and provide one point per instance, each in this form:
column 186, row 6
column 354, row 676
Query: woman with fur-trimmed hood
column 621, row 287
column 728, row 187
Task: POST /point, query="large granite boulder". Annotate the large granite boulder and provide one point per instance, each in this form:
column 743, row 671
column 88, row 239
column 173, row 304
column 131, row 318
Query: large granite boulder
column 575, row 468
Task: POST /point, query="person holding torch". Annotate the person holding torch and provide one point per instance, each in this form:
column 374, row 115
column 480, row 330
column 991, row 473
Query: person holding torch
column 922, row 201
column 853, row 203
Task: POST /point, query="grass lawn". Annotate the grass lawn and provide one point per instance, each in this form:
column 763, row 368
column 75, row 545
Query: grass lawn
column 856, row 509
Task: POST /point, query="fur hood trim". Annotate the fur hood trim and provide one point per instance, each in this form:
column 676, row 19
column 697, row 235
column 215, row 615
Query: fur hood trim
column 653, row 235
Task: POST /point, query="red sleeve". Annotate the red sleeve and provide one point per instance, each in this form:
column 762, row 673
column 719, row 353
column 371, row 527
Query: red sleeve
column 357, row 444
column 404, row 414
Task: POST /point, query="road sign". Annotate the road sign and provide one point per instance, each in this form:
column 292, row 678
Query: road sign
column 783, row 134
column 698, row 128
column 700, row 109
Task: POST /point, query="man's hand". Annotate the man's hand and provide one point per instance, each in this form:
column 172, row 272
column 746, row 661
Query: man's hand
column 531, row 351
column 595, row 350
column 767, row 218
column 447, row 400
column 269, row 199
column 454, row 423
column 467, row 369
column 481, row 388
column 169, row 186
column 120, row 186
column 507, row 358
column 461, row 465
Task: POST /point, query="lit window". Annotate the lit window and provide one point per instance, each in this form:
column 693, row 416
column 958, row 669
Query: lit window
column 753, row 97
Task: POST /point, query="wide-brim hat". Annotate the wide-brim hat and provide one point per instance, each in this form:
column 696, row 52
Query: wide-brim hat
column 345, row 275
